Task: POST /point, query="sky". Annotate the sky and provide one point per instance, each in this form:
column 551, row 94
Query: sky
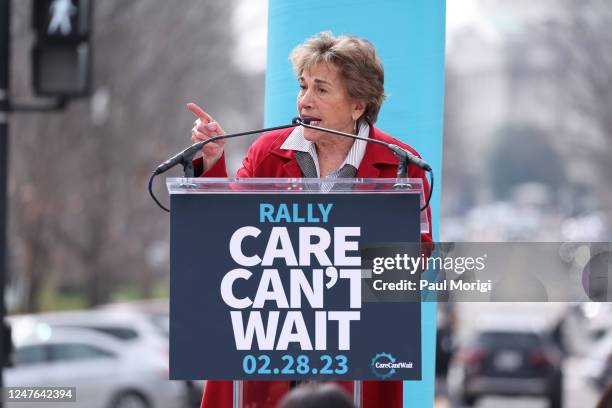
column 250, row 25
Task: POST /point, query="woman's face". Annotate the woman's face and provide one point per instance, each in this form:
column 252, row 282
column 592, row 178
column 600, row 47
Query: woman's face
column 323, row 97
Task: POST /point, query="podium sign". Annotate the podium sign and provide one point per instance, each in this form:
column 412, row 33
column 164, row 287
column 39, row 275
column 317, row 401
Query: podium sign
column 267, row 280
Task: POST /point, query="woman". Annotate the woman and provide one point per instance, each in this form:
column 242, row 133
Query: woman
column 341, row 83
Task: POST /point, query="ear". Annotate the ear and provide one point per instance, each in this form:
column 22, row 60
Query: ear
column 359, row 108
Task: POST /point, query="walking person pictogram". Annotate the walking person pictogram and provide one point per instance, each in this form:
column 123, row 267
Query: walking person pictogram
column 61, row 11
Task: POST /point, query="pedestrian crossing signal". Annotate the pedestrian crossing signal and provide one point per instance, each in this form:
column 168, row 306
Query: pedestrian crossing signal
column 68, row 20
column 62, row 53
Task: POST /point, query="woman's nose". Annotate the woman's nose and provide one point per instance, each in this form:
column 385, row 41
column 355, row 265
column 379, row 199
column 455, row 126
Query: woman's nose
column 305, row 100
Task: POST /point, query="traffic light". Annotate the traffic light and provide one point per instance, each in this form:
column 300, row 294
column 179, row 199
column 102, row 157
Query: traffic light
column 62, row 54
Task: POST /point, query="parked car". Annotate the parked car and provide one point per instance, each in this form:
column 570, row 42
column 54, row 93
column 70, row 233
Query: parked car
column 106, row 374
column 507, row 357
column 137, row 327
column 132, row 328
column 157, row 312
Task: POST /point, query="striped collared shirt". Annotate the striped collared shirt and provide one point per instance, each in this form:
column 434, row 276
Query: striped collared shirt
column 297, row 141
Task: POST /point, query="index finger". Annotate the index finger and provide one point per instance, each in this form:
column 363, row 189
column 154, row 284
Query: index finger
column 199, row 112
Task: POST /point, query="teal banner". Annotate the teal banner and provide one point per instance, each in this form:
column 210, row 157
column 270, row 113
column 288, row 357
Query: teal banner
column 409, row 36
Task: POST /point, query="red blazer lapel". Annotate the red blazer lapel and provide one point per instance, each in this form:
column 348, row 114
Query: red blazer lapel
column 375, row 159
column 292, row 169
column 288, row 164
column 367, row 168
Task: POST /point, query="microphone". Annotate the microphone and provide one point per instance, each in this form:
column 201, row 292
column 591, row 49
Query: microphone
column 180, row 157
column 401, row 153
column 185, row 156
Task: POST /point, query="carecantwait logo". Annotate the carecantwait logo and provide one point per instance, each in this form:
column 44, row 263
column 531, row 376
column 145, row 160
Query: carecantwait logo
column 381, row 365
column 384, row 365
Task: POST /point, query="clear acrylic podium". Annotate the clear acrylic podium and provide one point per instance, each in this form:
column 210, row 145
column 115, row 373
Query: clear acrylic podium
column 186, row 193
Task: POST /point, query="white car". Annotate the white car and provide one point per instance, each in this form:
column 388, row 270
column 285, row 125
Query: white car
column 155, row 316
column 132, row 328
column 142, row 326
column 105, row 373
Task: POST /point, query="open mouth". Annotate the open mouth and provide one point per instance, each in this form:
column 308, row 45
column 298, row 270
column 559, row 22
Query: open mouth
column 313, row 121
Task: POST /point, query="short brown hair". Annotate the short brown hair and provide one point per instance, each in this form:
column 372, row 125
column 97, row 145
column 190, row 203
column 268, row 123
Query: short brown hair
column 357, row 61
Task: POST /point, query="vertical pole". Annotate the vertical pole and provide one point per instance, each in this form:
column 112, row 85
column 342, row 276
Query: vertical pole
column 357, row 394
column 237, row 393
column 5, row 34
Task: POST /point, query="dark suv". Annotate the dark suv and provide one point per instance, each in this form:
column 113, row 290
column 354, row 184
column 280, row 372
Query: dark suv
column 509, row 360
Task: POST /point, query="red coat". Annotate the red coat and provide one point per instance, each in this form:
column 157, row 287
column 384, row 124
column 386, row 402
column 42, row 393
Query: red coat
column 266, row 159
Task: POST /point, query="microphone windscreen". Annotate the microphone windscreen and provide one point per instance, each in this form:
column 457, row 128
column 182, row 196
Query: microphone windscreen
column 298, row 120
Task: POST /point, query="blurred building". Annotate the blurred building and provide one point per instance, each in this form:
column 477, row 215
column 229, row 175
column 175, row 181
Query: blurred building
column 513, row 116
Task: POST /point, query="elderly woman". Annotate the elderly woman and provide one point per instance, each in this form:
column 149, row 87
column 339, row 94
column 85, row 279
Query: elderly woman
column 341, row 82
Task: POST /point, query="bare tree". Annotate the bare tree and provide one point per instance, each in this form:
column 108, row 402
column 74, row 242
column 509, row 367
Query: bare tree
column 578, row 37
column 80, row 213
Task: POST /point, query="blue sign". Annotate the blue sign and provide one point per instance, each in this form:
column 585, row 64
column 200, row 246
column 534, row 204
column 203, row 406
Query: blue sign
column 274, row 287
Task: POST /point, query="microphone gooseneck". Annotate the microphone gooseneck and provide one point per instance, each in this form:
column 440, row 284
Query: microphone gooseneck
column 405, row 157
column 185, row 157
column 400, row 152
